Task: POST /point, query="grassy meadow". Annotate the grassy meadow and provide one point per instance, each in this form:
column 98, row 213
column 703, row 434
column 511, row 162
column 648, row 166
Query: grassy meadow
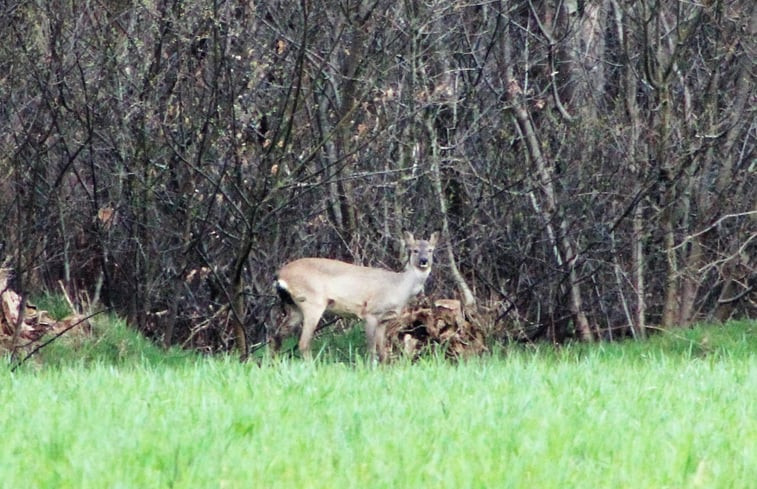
column 113, row 411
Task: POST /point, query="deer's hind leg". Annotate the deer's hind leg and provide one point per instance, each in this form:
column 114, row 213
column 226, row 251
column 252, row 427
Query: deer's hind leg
column 311, row 313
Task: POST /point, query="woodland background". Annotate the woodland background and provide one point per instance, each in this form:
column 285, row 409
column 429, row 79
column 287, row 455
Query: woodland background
column 591, row 164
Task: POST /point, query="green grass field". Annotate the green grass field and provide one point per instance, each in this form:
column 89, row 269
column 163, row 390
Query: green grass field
column 115, row 412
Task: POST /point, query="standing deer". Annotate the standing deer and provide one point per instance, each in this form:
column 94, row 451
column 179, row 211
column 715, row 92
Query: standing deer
column 310, row 286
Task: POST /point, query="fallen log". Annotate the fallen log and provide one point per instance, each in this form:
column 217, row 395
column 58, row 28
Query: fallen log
column 34, row 322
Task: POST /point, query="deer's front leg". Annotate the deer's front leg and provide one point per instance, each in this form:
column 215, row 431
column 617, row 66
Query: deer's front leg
column 371, row 324
column 381, row 340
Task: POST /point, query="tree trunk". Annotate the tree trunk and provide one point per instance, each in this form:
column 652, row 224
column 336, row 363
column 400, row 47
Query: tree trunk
column 469, row 299
column 565, row 255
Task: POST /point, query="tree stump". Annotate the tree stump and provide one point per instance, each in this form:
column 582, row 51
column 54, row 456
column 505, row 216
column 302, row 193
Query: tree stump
column 443, row 324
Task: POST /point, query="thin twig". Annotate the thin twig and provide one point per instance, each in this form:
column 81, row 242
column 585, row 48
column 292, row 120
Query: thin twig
column 714, row 224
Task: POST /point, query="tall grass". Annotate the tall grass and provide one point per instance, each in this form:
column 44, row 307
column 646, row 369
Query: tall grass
column 677, row 411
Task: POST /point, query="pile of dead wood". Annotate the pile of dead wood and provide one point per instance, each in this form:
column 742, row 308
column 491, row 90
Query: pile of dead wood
column 442, row 325
column 20, row 328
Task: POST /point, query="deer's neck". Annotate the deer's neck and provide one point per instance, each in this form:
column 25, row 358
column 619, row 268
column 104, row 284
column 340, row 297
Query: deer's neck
column 413, row 279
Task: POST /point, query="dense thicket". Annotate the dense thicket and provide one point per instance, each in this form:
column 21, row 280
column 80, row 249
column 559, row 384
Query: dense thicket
column 590, row 164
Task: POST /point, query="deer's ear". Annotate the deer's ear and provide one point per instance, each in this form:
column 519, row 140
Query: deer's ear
column 434, row 238
column 408, row 237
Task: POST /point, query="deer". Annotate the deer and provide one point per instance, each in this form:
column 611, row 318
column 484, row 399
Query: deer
column 308, row 287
